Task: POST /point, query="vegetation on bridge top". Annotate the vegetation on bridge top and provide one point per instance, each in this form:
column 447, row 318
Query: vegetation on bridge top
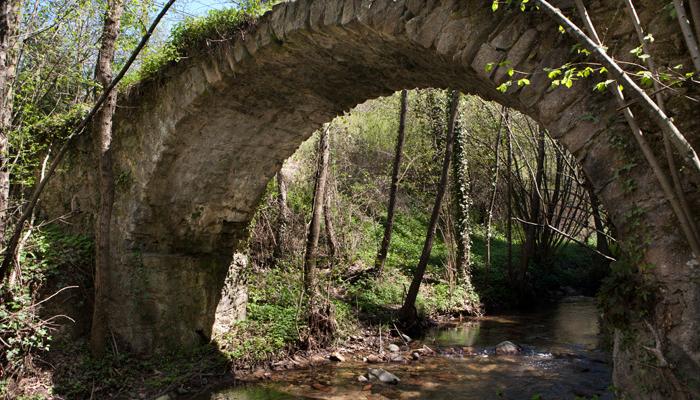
column 197, row 34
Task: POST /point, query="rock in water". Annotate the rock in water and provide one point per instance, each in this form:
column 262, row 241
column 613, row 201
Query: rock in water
column 508, row 348
column 383, row 376
column 336, row 356
column 373, row 359
column 393, row 348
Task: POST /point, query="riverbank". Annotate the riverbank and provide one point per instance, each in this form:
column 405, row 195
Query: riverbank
column 560, row 355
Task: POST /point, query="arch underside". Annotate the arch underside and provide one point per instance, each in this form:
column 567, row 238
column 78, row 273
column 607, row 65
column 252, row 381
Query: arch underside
column 200, row 143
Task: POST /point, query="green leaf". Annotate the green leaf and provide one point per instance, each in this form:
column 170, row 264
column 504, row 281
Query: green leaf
column 562, row 30
column 489, row 67
column 600, row 86
column 523, row 82
column 554, row 73
column 569, row 83
column 504, row 86
column 494, row 6
column 511, row 71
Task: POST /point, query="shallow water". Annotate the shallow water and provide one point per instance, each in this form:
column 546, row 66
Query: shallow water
column 561, row 360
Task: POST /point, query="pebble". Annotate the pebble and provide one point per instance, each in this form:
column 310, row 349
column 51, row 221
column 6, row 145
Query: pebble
column 393, row 348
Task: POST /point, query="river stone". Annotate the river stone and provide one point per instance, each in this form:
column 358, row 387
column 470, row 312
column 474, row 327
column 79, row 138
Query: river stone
column 393, row 348
column 383, row 376
column 362, row 379
column 508, row 348
column 336, row 356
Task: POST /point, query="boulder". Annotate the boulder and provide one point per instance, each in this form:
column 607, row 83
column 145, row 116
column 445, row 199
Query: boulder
column 393, row 348
column 383, row 376
column 337, row 357
column 508, row 348
column 373, row 359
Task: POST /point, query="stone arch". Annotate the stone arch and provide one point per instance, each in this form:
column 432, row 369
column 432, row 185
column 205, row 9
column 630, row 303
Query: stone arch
column 199, row 143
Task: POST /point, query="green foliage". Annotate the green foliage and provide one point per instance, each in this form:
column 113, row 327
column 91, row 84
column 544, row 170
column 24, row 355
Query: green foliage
column 196, row 34
column 273, row 319
column 40, row 132
column 84, row 376
column 48, row 254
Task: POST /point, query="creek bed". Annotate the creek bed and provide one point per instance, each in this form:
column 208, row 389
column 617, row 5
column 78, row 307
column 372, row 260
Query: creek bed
column 560, row 359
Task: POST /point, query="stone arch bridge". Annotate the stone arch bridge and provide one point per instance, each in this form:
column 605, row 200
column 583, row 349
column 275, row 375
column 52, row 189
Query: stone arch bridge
column 195, row 148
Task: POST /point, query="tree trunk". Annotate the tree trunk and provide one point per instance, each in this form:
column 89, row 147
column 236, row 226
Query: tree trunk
column 328, row 222
column 9, row 30
column 509, row 203
column 601, row 239
column 489, row 216
column 531, row 229
column 384, row 248
column 463, row 202
column 409, row 314
column 283, row 219
column 103, row 127
column 695, row 15
column 688, row 35
column 321, row 323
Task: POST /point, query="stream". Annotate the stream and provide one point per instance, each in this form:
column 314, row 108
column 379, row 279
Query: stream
column 561, row 359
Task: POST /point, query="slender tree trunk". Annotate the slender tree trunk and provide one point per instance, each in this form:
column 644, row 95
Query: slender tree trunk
column 283, row 220
column 489, row 216
column 384, row 248
column 9, row 30
column 601, row 240
column 531, row 231
column 408, row 311
column 103, row 127
column 509, row 203
column 690, row 39
column 695, row 15
column 321, row 324
column 328, row 223
column 463, row 202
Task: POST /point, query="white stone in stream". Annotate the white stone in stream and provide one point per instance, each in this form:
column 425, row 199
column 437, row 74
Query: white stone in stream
column 508, row 348
column 362, row 379
column 406, row 338
column 336, row 356
column 393, row 348
column 383, row 376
